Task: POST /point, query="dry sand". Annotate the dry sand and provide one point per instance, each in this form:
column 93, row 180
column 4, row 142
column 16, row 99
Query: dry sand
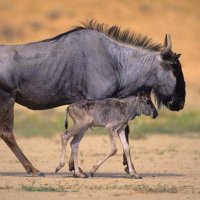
column 169, row 166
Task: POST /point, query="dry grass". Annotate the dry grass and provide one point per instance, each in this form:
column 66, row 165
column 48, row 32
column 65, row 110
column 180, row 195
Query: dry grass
column 49, row 123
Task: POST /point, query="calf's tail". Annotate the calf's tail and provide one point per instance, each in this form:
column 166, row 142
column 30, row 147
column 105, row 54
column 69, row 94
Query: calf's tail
column 66, row 118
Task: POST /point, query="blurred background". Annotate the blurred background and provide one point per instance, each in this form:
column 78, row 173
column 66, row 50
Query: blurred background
column 23, row 21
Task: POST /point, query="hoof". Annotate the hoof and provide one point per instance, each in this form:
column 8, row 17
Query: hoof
column 56, row 170
column 71, row 168
column 91, row 174
column 135, row 176
column 80, row 175
column 125, row 163
column 126, row 169
column 80, row 170
column 59, row 167
column 38, row 174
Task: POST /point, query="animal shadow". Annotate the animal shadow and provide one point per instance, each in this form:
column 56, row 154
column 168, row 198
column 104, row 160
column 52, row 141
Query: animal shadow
column 97, row 175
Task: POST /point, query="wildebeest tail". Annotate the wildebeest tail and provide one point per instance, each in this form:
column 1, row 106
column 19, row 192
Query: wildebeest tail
column 66, row 118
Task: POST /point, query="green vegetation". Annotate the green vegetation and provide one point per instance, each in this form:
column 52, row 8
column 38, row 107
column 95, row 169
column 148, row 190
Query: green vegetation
column 185, row 122
column 157, row 189
column 143, row 188
column 45, row 189
column 39, row 123
column 51, row 122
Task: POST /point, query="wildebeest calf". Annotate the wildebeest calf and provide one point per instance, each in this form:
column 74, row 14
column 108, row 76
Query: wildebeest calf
column 114, row 115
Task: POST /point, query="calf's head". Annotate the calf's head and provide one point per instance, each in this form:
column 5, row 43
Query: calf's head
column 146, row 106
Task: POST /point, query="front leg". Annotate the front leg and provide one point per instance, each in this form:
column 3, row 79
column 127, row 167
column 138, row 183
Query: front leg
column 126, row 148
column 125, row 163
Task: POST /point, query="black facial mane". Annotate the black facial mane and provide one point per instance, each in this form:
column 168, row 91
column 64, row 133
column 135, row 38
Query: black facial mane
column 179, row 88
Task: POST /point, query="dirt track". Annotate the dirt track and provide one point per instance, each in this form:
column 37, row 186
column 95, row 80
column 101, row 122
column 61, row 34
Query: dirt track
column 169, row 166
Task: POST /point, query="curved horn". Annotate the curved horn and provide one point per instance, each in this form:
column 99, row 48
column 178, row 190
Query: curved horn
column 167, row 44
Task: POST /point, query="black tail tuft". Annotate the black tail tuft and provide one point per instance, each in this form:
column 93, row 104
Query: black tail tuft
column 66, row 124
column 66, row 118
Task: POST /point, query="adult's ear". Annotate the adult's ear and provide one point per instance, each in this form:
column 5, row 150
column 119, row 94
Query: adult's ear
column 166, row 52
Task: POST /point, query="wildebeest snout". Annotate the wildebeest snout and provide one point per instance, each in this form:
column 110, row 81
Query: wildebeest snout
column 154, row 114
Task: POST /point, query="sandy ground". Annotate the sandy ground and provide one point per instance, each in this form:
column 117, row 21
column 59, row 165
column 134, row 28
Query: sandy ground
column 169, row 166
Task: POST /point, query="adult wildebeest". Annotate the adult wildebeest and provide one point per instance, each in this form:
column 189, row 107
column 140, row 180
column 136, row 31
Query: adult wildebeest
column 113, row 114
column 91, row 61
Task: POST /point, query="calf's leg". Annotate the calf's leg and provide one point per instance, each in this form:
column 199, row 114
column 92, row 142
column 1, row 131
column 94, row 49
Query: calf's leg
column 127, row 130
column 71, row 159
column 63, row 153
column 111, row 153
column 75, row 130
column 74, row 156
column 126, row 148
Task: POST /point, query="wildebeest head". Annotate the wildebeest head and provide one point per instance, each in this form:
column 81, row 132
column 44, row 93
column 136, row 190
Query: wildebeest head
column 171, row 93
column 146, row 106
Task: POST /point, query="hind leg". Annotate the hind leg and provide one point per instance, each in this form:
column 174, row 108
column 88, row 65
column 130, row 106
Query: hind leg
column 78, row 172
column 6, row 131
column 72, row 132
column 71, row 159
column 125, row 163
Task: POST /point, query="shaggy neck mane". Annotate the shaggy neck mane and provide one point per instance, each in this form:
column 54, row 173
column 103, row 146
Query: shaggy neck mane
column 123, row 36
column 114, row 32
